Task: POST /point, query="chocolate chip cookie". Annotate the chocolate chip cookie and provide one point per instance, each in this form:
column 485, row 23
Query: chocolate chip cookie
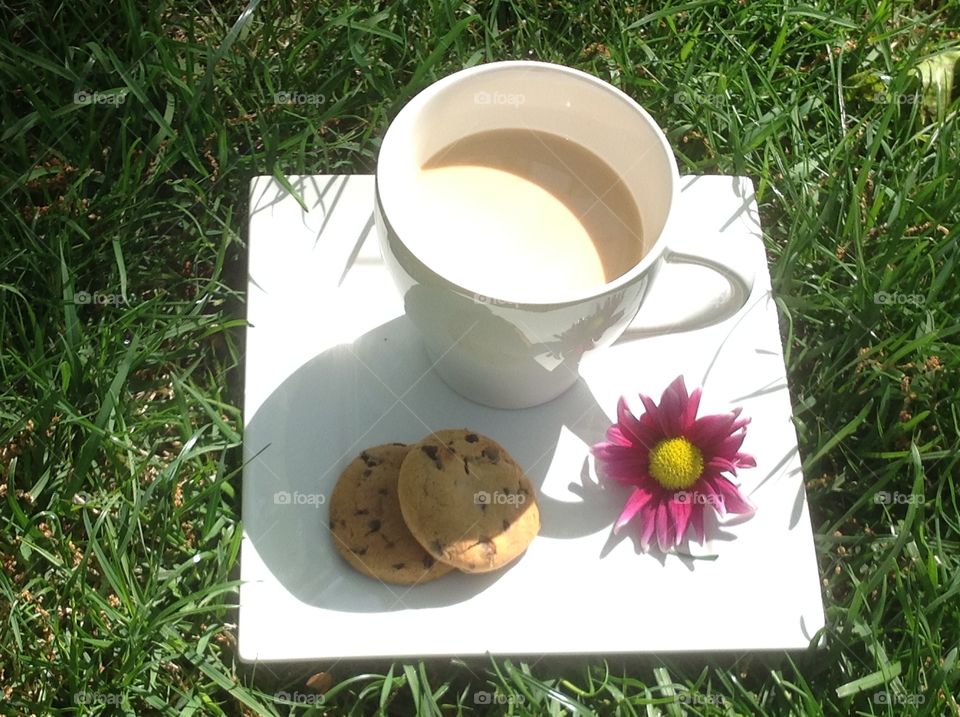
column 367, row 523
column 467, row 501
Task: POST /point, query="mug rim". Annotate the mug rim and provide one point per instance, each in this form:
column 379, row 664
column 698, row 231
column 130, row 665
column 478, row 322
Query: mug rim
column 636, row 272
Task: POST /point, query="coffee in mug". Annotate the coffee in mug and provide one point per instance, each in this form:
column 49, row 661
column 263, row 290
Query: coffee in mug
column 537, row 216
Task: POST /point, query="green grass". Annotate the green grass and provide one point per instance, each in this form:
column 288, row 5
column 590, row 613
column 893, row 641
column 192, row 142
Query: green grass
column 120, row 423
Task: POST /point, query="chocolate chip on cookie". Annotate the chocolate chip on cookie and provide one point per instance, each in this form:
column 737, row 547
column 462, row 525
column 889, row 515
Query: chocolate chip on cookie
column 367, row 524
column 466, row 500
column 434, row 453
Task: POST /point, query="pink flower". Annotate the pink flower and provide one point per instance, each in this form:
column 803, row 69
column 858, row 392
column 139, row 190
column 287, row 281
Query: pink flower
column 675, row 462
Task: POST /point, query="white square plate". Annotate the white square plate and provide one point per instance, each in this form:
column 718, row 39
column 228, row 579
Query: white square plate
column 334, row 366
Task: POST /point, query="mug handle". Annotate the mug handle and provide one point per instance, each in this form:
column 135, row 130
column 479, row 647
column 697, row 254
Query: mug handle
column 725, row 260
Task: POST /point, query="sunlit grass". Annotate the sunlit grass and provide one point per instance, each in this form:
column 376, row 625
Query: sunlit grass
column 129, row 133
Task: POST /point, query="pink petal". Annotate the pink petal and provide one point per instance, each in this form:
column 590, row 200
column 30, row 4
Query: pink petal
column 745, row 460
column 689, row 414
column 647, row 525
column 739, row 423
column 627, row 422
column 672, row 404
column 616, row 435
column 733, row 500
column 722, row 464
column 710, row 428
column 663, row 527
column 637, row 500
column 682, row 512
column 652, row 415
column 648, row 421
column 729, row 446
column 622, row 464
column 610, row 451
column 708, row 489
column 678, row 387
column 606, row 450
column 696, row 517
column 633, row 429
column 624, row 475
column 709, row 432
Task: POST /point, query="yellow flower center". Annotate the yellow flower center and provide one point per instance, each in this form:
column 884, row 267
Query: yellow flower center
column 676, row 463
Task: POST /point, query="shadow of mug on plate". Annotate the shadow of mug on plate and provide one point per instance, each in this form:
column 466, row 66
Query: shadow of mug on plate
column 511, row 271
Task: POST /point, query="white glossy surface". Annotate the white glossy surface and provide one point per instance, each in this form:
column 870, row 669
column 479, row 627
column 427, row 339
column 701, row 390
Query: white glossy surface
column 521, row 351
column 335, row 367
column 547, row 97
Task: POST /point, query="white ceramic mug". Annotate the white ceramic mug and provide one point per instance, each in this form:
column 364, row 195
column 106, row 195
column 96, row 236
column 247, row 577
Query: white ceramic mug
column 515, row 355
